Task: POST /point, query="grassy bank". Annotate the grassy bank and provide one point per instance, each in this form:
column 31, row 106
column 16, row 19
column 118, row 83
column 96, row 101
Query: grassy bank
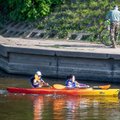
column 76, row 16
column 68, row 17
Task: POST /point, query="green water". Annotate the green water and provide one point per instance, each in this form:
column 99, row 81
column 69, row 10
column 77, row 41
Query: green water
column 51, row 107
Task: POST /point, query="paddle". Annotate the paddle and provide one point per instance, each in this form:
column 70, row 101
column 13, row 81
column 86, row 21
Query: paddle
column 59, row 86
column 103, row 87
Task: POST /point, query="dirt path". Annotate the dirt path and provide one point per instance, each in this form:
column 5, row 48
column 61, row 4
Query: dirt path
column 65, row 45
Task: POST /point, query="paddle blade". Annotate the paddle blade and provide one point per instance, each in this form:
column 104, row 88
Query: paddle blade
column 105, row 87
column 59, row 86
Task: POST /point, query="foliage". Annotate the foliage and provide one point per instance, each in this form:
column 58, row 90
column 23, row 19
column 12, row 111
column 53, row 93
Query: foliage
column 62, row 16
column 80, row 16
column 26, row 9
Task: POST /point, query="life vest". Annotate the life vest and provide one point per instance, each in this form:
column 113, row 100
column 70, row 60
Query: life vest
column 32, row 83
column 36, row 82
column 70, row 84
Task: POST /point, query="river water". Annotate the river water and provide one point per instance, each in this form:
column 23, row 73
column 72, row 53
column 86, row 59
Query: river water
column 54, row 107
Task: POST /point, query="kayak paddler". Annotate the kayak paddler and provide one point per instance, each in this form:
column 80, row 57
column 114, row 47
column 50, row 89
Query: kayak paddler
column 72, row 83
column 37, row 81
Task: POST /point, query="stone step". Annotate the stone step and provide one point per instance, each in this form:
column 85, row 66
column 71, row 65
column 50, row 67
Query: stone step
column 25, row 30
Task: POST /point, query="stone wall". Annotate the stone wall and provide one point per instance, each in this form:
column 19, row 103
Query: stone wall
column 55, row 63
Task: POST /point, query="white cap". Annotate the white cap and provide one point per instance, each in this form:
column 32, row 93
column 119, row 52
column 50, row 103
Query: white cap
column 39, row 73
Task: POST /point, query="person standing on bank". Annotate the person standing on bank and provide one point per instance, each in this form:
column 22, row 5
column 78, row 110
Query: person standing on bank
column 114, row 17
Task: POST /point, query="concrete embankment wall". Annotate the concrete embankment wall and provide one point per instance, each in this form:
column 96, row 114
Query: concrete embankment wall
column 55, row 63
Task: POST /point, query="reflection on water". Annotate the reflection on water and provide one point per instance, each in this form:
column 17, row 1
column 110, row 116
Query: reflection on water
column 75, row 108
column 49, row 107
column 38, row 107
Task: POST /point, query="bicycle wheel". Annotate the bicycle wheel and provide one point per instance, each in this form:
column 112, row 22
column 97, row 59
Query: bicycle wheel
column 105, row 37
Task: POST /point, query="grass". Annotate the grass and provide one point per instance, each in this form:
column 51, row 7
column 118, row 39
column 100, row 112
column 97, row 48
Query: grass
column 78, row 16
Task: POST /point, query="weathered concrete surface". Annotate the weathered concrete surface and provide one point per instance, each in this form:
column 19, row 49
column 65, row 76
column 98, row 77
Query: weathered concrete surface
column 60, row 58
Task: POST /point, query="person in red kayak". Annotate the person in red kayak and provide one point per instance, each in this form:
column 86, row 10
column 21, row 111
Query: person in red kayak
column 72, row 83
column 37, row 81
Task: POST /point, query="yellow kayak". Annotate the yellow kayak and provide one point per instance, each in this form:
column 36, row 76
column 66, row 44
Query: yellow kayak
column 65, row 91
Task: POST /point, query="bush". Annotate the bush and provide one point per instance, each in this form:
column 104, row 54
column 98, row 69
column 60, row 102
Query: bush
column 63, row 16
column 18, row 10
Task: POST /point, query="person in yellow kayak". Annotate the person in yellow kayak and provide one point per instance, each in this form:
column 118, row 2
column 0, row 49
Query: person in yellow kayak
column 37, row 81
column 72, row 83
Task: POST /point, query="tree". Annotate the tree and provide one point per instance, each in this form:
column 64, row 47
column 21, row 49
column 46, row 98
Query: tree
column 26, row 9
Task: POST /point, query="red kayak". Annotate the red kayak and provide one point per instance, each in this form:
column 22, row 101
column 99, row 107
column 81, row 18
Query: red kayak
column 76, row 91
